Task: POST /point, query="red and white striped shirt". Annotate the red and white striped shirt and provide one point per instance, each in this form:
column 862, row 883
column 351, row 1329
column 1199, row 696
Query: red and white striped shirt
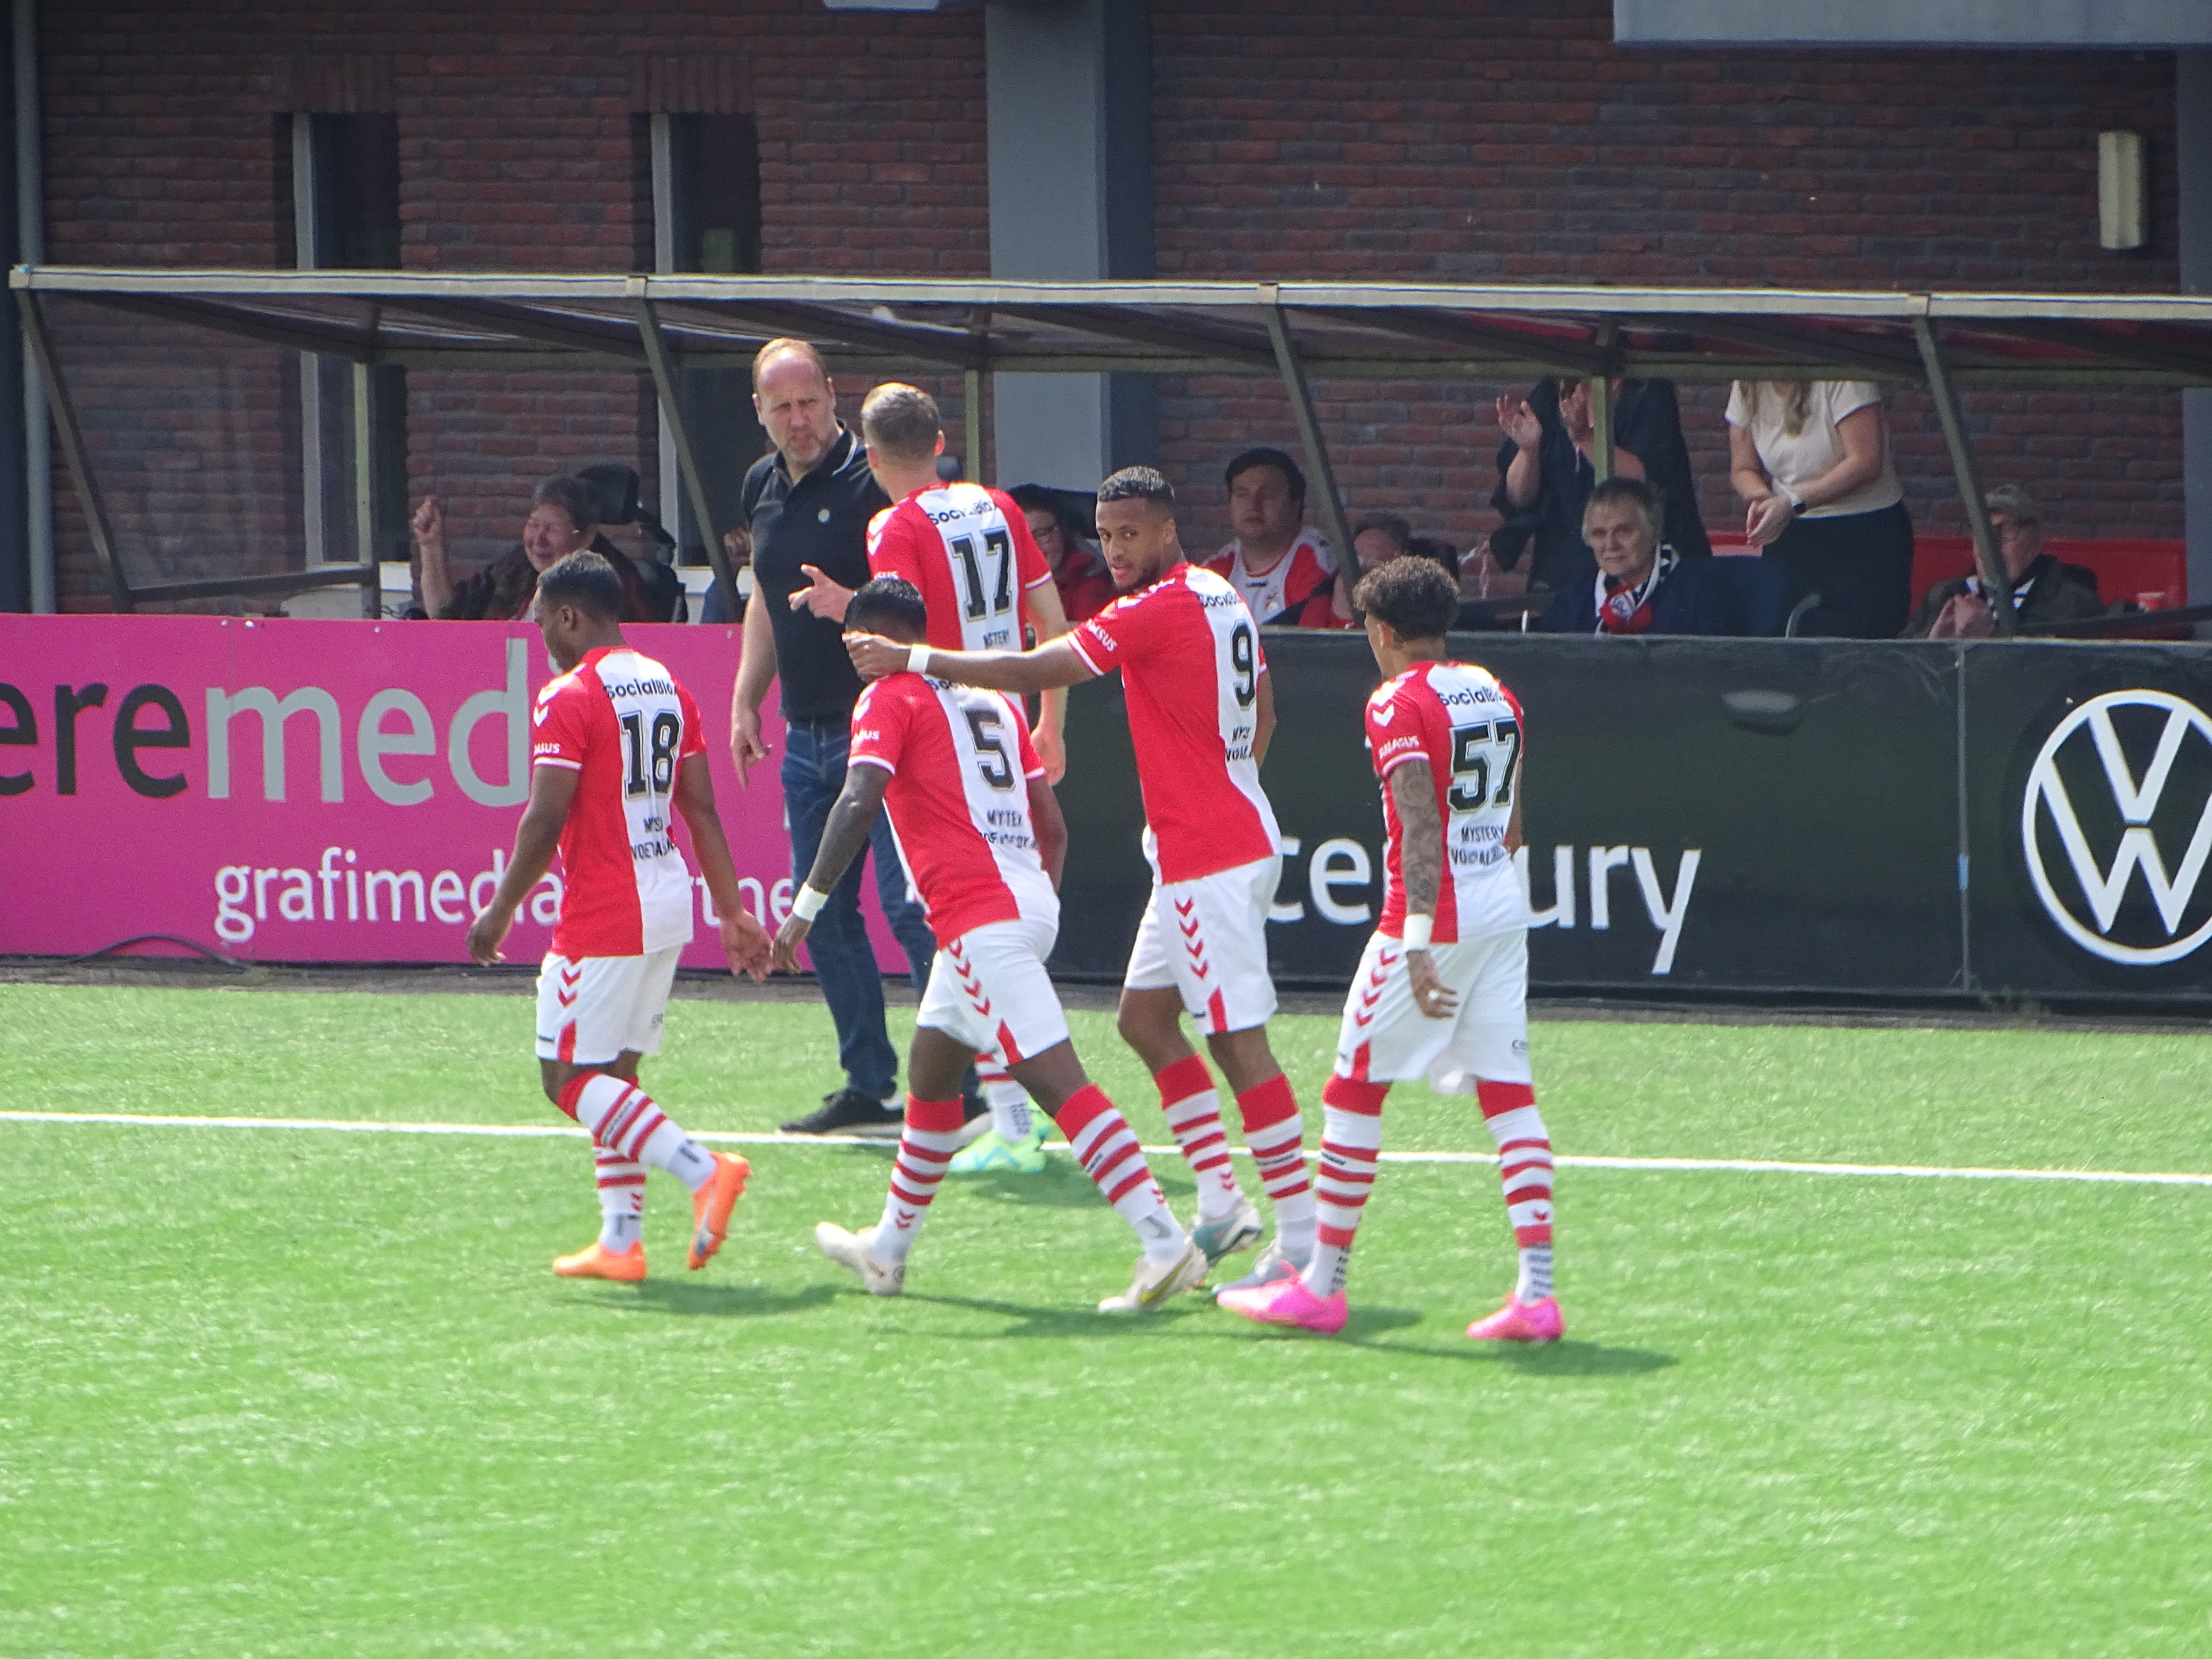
column 622, row 721
column 960, row 761
column 1467, row 726
column 1190, row 662
column 969, row 551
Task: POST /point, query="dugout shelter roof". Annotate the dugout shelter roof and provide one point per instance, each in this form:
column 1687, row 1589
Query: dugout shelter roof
column 1300, row 331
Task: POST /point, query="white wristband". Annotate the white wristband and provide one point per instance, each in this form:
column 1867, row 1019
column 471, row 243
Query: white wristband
column 807, row 903
column 1414, row 931
column 917, row 660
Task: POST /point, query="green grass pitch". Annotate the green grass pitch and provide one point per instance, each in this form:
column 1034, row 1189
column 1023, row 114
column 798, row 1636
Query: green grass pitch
column 304, row 1393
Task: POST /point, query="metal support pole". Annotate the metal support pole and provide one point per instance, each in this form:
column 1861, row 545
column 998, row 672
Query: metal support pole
column 73, row 449
column 1962, row 465
column 664, row 386
column 971, row 398
column 364, row 494
column 31, row 250
column 1302, row 410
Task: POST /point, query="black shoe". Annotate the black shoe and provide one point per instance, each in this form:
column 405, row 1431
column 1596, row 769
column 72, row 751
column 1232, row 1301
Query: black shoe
column 849, row 1112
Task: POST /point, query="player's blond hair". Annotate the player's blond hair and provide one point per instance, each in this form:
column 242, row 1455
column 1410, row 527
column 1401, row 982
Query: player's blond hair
column 901, row 420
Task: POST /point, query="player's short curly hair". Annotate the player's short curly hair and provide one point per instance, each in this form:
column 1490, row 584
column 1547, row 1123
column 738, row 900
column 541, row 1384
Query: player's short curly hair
column 1411, row 594
column 586, row 581
column 886, row 599
column 1137, row 483
column 901, row 420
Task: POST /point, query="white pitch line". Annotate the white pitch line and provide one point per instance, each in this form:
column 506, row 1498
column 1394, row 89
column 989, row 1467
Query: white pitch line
column 740, row 1138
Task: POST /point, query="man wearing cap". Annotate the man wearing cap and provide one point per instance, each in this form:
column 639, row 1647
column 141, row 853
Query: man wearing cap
column 2044, row 590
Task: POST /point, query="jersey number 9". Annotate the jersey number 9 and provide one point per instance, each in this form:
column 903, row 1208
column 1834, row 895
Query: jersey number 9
column 1242, row 659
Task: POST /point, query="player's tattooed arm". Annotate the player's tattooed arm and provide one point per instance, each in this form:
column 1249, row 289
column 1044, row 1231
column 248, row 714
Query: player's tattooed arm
column 842, row 838
column 744, row 941
column 1420, row 865
column 1055, row 664
column 536, row 839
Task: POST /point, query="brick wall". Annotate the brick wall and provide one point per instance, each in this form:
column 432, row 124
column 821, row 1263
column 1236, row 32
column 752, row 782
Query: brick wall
column 1495, row 142
column 519, row 148
column 1291, row 138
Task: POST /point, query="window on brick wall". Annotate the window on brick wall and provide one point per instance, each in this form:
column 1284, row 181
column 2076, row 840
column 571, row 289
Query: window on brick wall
column 706, row 218
column 344, row 183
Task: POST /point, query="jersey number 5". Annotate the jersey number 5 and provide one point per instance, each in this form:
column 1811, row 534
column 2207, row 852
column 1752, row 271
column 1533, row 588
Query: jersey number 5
column 1469, row 764
column 667, row 732
column 984, row 726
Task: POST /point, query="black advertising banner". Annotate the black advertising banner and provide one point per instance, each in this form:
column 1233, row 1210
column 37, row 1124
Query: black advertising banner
column 1730, row 817
column 2089, row 772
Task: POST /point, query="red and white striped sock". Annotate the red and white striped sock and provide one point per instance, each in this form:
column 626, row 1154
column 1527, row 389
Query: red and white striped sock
column 1009, row 1102
column 1276, row 1135
column 1524, row 1167
column 1192, row 1108
column 1106, row 1146
column 1351, row 1133
column 622, row 1199
column 932, row 1135
column 622, row 1119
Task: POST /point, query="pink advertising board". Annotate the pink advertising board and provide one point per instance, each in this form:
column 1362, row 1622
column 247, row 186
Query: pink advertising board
column 291, row 790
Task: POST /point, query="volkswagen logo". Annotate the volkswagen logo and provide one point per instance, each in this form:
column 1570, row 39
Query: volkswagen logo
column 2117, row 824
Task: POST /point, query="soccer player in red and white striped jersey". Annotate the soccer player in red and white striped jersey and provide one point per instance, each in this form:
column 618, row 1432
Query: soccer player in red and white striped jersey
column 1442, row 989
column 615, row 747
column 1201, row 712
column 982, row 837
column 987, row 585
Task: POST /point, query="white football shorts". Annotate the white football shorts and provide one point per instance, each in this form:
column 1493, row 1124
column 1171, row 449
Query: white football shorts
column 1386, row 1038
column 988, row 991
column 591, row 1010
column 1208, row 939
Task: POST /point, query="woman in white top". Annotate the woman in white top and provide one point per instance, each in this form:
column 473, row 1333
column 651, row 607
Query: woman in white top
column 1811, row 460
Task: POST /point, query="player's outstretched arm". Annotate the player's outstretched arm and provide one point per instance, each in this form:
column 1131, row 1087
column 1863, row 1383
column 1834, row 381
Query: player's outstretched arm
column 842, row 838
column 1056, row 663
column 1421, row 863
column 1051, row 826
column 744, row 941
column 536, row 839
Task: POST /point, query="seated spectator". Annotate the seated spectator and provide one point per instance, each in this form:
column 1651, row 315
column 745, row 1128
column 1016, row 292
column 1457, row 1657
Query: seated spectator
column 1285, row 570
column 1547, row 467
column 2043, row 589
column 1811, row 460
column 563, row 519
column 1079, row 570
column 1639, row 585
column 1379, row 538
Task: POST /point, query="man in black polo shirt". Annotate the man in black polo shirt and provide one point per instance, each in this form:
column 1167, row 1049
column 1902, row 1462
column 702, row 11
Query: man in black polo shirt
column 807, row 507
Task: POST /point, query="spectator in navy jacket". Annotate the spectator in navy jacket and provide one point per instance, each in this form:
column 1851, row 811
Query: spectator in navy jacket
column 1641, row 586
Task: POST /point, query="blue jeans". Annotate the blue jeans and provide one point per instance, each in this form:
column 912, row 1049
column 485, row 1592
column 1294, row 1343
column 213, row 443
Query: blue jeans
column 844, row 960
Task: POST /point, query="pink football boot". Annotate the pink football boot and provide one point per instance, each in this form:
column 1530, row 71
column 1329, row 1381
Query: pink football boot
column 1521, row 1322
column 1287, row 1302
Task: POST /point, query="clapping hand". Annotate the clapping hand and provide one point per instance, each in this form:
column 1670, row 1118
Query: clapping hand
column 1767, row 518
column 1518, row 422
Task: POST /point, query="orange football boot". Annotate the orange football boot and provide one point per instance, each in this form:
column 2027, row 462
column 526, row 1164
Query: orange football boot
column 711, row 1206
column 595, row 1260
